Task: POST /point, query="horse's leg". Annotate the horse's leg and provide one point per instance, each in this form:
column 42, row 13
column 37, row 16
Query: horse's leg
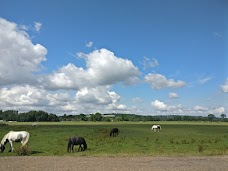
column 80, row 148
column 69, row 148
column 23, row 143
column 72, row 148
column 11, row 146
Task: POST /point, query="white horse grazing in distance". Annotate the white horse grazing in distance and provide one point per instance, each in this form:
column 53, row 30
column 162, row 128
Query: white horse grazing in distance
column 16, row 136
column 156, row 128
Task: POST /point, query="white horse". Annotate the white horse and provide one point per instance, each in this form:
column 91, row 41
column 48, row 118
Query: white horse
column 156, row 128
column 16, row 136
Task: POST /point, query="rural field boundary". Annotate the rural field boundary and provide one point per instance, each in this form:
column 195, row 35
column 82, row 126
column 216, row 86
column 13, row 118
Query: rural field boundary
column 37, row 163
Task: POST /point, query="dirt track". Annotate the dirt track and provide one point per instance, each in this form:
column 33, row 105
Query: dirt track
column 215, row 163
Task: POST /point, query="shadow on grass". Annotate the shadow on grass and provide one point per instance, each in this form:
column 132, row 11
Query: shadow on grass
column 37, row 152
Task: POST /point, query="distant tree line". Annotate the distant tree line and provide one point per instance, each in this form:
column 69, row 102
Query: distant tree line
column 31, row 116
column 42, row 116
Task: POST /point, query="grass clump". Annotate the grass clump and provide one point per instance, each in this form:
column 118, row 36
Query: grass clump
column 24, row 151
column 200, row 148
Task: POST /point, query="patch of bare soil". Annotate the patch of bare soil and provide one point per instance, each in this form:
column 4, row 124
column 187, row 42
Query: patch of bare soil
column 52, row 163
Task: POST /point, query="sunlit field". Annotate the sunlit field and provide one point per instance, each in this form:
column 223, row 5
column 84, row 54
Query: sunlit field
column 135, row 138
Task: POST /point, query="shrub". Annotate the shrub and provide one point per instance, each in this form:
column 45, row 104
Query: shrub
column 200, row 148
column 24, row 151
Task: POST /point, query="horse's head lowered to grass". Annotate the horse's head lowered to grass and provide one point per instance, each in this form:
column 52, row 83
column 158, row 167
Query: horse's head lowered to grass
column 14, row 136
column 2, row 148
column 76, row 141
column 114, row 132
column 156, row 128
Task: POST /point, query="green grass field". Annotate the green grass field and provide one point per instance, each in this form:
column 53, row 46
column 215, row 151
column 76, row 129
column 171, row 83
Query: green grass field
column 135, row 139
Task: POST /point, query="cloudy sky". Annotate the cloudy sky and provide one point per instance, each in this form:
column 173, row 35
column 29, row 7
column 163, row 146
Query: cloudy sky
column 146, row 57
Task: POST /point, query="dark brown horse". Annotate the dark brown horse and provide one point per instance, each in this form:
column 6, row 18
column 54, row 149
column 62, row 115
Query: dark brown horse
column 114, row 132
column 76, row 141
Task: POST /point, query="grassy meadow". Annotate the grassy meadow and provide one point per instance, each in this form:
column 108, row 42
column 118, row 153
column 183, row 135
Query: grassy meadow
column 135, row 139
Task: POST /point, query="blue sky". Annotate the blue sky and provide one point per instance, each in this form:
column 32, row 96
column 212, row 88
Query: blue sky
column 143, row 57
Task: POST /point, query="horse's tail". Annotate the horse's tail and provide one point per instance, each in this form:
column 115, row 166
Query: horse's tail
column 69, row 145
column 85, row 145
column 26, row 139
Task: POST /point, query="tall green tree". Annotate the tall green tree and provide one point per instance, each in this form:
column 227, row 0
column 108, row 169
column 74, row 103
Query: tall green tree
column 223, row 116
column 83, row 117
column 211, row 117
column 97, row 117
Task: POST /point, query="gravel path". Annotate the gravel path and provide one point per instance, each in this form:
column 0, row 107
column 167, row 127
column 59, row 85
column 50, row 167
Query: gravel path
column 29, row 163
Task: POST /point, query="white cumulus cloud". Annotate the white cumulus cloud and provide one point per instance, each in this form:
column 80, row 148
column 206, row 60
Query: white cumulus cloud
column 218, row 110
column 159, row 105
column 117, row 107
column 199, row 108
column 107, row 69
column 67, row 77
column 98, row 95
column 20, row 58
column 23, row 96
column 103, row 68
column 158, row 81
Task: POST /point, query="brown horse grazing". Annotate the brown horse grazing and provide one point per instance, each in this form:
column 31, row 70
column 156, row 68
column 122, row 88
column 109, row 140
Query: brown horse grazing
column 76, row 141
column 114, row 132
